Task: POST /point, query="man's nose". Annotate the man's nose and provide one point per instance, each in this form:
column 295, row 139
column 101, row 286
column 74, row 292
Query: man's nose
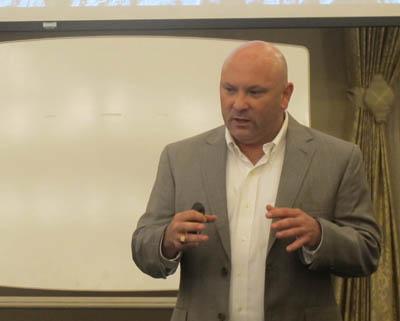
column 240, row 102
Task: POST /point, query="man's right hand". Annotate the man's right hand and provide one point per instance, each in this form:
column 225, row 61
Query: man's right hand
column 182, row 232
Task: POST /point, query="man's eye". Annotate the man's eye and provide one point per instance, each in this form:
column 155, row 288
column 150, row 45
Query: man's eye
column 229, row 89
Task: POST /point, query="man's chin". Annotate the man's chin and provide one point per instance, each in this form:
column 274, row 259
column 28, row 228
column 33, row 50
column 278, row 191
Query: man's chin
column 241, row 129
column 241, row 136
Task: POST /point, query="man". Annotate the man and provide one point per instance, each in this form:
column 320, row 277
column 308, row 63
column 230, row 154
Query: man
column 290, row 206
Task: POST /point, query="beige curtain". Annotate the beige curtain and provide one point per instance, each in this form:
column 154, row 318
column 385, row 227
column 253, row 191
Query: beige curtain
column 393, row 135
column 373, row 65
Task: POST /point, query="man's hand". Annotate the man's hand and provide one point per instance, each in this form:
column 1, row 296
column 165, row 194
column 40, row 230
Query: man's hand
column 295, row 223
column 181, row 233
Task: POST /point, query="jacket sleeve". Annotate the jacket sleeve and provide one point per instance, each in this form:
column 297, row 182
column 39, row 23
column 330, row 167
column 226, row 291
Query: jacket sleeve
column 350, row 245
column 150, row 229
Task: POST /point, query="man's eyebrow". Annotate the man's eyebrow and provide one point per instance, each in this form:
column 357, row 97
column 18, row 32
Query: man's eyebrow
column 257, row 87
column 251, row 87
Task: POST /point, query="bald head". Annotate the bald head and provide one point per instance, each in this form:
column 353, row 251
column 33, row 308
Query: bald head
column 262, row 53
column 254, row 93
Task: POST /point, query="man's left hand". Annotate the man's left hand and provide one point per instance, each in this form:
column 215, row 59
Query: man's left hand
column 295, row 223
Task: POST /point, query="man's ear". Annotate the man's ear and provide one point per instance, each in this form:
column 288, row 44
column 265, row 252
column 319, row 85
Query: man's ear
column 287, row 93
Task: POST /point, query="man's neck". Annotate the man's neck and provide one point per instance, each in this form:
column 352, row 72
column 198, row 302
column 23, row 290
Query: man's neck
column 252, row 152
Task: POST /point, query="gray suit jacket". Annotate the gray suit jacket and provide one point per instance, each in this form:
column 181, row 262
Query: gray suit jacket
column 321, row 175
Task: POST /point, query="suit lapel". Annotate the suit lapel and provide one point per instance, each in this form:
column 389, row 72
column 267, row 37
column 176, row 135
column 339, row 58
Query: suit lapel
column 300, row 149
column 213, row 166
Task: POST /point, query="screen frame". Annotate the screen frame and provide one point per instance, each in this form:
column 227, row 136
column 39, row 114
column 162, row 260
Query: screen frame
column 179, row 24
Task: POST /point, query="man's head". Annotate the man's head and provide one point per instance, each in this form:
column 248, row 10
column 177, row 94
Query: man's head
column 254, row 93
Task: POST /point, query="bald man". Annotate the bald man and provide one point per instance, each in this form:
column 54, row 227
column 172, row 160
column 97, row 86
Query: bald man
column 286, row 207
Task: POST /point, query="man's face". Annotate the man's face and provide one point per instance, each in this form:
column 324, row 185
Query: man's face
column 254, row 95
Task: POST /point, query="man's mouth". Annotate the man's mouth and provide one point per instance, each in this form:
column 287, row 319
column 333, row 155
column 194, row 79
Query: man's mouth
column 240, row 120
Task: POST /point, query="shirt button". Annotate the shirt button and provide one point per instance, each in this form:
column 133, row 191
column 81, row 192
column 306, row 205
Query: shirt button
column 221, row 316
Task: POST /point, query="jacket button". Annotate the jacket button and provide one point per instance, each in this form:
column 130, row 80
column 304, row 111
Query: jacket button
column 224, row 271
column 221, row 316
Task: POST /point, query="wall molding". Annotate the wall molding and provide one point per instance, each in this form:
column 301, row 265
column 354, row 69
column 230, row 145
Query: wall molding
column 87, row 302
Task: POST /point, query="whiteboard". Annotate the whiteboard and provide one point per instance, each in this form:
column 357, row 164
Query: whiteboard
column 82, row 124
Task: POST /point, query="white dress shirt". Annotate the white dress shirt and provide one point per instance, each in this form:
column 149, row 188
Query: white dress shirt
column 249, row 189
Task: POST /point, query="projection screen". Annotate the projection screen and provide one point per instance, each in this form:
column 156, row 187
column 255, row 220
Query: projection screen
column 82, row 124
column 76, row 10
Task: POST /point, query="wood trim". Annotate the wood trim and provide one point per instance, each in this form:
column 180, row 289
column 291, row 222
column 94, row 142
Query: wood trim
column 87, row 302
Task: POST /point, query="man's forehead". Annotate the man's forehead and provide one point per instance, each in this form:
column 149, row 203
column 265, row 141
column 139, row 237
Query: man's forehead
column 252, row 67
column 256, row 60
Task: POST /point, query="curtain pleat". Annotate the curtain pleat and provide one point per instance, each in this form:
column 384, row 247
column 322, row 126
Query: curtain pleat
column 374, row 51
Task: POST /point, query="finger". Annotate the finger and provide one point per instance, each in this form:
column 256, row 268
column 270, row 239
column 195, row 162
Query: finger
column 282, row 212
column 196, row 238
column 285, row 223
column 182, row 238
column 190, row 240
column 210, row 218
column 206, row 219
column 294, row 232
column 191, row 227
column 269, row 207
column 190, row 215
column 298, row 243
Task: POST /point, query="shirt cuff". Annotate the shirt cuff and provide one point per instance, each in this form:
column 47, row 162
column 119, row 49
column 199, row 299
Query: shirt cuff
column 308, row 254
column 170, row 264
